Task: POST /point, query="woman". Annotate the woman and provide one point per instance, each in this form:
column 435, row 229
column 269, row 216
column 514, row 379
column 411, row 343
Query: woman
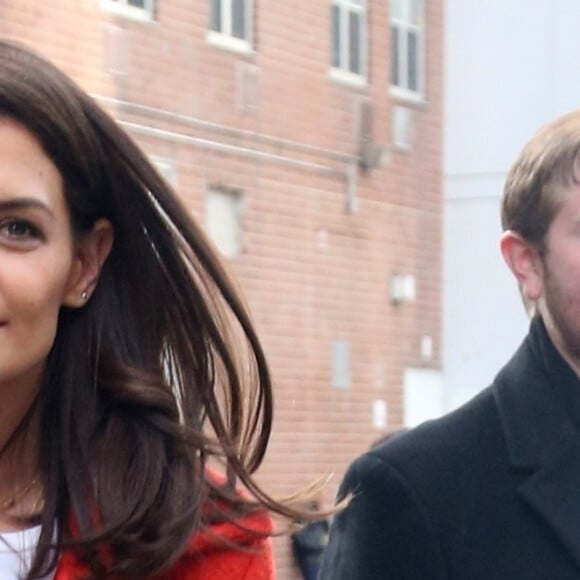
column 119, row 373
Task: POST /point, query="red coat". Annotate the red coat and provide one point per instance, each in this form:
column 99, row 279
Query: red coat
column 206, row 558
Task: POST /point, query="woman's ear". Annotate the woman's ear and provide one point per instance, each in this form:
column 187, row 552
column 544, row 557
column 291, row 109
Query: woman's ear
column 525, row 262
column 92, row 249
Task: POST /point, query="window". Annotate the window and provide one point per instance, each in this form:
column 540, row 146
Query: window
column 230, row 23
column 348, row 21
column 138, row 9
column 224, row 219
column 407, row 47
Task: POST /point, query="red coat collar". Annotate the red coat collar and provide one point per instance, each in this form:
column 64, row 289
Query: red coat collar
column 208, row 555
column 242, row 545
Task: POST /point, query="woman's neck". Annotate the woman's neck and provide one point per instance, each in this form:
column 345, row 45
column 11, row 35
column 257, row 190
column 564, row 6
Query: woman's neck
column 20, row 486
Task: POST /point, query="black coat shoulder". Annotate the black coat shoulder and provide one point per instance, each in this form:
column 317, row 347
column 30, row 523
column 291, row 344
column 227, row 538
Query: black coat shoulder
column 408, row 496
column 471, row 435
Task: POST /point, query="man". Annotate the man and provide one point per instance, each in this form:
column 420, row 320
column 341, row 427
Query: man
column 492, row 491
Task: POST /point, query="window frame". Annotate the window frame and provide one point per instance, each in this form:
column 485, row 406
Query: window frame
column 405, row 25
column 122, row 8
column 224, row 37
column 342, row 72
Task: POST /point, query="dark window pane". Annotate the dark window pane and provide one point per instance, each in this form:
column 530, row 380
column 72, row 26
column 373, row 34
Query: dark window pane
column 216, row 15
column 413, row 72
column 137, row 3
column 335, row 56
column 395, row 70
column 354, row 32
column 239, row 19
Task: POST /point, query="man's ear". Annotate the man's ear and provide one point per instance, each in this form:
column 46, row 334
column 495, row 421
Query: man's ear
column 92, row 249
column 525, row 262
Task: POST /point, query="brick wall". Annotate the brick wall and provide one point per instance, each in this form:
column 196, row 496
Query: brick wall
column 312, row 271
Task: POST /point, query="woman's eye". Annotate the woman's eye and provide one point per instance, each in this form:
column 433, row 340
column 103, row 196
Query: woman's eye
column 19, row 229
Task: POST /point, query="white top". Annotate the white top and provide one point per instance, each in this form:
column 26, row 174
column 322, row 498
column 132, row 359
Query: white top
column 16, row 552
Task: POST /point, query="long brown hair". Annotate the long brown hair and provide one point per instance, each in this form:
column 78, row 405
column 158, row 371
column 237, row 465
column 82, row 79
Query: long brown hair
column 160, row 371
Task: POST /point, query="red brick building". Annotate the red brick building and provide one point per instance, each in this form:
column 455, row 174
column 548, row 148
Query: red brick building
column 307, row 136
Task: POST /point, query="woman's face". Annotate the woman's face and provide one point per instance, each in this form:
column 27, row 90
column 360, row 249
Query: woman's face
column 42, row 266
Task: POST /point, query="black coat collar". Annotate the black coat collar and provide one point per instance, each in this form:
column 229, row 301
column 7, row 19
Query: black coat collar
column 538, row 397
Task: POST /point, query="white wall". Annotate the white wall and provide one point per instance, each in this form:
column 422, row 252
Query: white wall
column 422, row 395
column 484, row 319
column 510, row 67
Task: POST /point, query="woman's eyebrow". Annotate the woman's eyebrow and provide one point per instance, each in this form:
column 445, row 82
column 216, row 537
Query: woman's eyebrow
column 19, row 203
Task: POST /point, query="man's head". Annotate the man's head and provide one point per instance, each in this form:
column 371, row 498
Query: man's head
column 541, row 239
column 549, row 163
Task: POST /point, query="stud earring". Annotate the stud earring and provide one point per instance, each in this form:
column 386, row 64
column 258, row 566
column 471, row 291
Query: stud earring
column 84, row 295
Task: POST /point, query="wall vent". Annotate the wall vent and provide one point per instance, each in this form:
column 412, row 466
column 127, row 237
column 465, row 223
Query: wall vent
column 248, row 87
column 116, row 50
column 402, row 128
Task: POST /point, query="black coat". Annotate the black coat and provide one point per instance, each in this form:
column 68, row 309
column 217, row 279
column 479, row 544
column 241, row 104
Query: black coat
column 488, row 492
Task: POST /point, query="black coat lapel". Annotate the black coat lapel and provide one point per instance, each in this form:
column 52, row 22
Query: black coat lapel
column 538, row 398
column 554, row 493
